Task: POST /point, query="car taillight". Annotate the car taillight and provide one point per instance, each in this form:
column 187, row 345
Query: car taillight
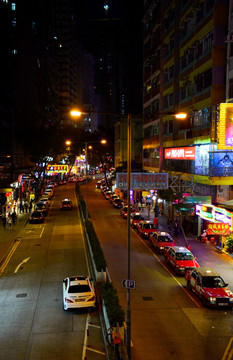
column 92, row 298
column 68, row 300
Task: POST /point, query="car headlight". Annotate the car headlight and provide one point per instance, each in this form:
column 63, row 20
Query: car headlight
column 231, row 299
column 212, row 300
column 161, row 247
column 146, row 234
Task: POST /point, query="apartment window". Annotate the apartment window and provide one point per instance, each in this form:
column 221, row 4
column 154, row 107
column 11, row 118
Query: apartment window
column 204, row 80
column 13, row 6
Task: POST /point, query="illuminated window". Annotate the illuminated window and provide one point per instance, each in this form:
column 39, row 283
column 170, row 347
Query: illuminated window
column 13, row 6
column 14, row 51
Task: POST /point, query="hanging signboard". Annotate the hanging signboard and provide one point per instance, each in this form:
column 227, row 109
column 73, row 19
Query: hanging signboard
column 225, row 127
column 214, row 214
column 183, row 153
column 218, row 229
column 56, row 168
column 143, row 181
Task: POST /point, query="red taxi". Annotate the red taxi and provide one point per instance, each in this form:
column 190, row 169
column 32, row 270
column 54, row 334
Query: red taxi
column 145, row 228
column 209, row 287
column 180, row 259
column 124, row 211
column 66, row 204
column 135, row 219
column 161, row 240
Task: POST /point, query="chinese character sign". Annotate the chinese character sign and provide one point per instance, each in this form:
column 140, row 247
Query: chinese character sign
column 143, row 181
column 218, row 229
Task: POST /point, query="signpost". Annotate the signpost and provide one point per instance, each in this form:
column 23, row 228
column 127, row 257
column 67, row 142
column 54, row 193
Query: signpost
column 129, row 284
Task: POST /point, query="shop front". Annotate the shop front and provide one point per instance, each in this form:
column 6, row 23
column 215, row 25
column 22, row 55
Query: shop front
column 215, row 223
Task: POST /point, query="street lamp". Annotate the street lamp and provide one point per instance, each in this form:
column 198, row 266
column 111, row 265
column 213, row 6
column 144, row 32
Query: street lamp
column 77, row 113
column 68, row 142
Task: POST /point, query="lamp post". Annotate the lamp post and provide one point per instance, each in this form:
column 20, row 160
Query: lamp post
column 68, row 142
column 77, row 113
column 128, row 308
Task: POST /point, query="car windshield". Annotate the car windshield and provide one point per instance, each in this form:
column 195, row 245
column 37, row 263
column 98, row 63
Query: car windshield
column 137, row 217
column 184, row 256
column 74, row 289
column 213, row 282
column 65, row 202
column 164, row 239
column 149, row 226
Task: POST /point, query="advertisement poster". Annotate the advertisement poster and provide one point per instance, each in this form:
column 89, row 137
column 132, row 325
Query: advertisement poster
column 225, row 127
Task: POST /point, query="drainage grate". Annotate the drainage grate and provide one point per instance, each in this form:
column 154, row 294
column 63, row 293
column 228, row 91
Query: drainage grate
column 37, row 244
column 21, row 295
column 147, row 298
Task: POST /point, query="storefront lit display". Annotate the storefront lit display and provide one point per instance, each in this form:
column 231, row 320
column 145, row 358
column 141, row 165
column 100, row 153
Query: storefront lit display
column 202, row 156
column 184, row 153
column 214, row 214
column 225, row 126
column 221, row 163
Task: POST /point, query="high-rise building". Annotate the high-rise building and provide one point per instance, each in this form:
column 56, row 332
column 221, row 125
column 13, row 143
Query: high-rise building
column 185, row 62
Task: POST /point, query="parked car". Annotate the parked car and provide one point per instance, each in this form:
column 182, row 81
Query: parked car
column 135, row 219
column 41, row 207
column 161, row 240
column 66, row 204
column 78, row 292
column 107, row 194
column 208, row 285
column 118, row 203
column 113, row 197
column 124, row 211
column 145, row 228
column 98, row 184
column 36, row 218
column 180, row 259
column 45, row 200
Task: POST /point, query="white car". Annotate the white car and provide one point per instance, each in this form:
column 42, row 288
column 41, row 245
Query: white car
column 45, row 200
column 78, row 292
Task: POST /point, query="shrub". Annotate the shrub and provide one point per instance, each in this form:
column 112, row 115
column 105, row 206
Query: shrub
column 229, row 243
column 114, row 310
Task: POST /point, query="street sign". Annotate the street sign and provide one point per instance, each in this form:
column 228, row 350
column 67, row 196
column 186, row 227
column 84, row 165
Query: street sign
column 129, row 284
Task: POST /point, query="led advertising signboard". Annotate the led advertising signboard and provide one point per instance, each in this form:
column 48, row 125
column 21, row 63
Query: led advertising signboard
column 218, row 229
column 214, row 214
column 57, row 168
column 184, row 153
column 143, row 181
column 225, row 127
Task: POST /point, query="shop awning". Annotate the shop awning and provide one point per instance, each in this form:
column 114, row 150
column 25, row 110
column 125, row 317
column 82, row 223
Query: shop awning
column 228, row 204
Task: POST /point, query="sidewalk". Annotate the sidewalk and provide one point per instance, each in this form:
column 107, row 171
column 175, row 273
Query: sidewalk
column 10, row 234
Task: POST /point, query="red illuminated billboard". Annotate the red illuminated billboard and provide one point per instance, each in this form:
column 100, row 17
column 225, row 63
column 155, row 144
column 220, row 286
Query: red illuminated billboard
column 183, row 153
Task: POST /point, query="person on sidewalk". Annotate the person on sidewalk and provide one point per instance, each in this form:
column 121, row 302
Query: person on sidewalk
column 4, row 221
column 14, row 217
column 9, row 220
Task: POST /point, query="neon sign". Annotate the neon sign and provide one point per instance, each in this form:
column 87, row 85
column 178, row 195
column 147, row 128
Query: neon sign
column 187, row 153
column 214, row 214
column 57, row 168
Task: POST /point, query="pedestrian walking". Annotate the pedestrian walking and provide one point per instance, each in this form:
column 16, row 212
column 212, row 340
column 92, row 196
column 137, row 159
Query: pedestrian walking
column 9, row 220
column 26, row 206
column 4, row 221
column 20, row 207
column 176, row 228
column 14, row 217
column 139, row 206
column 30, row 206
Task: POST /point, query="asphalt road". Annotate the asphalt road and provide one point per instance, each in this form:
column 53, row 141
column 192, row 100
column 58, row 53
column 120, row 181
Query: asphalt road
column 34, row 325
column 167, row 321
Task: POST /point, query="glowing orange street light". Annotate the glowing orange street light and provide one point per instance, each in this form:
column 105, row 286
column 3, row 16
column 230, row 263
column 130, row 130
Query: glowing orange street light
column 75, row 113
column 180, row 116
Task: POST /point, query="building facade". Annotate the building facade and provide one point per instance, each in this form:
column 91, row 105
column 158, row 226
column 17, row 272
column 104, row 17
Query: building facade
column 185, row 66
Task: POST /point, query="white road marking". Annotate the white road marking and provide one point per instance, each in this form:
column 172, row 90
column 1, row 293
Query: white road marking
column 24, row 261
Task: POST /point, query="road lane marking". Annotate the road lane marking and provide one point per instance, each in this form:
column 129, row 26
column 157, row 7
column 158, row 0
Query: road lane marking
column 142, row 240
column 5, row 263
column 225, row 355
column 24, row 261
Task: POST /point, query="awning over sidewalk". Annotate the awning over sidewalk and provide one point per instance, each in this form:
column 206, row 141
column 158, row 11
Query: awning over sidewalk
column 228, row 204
